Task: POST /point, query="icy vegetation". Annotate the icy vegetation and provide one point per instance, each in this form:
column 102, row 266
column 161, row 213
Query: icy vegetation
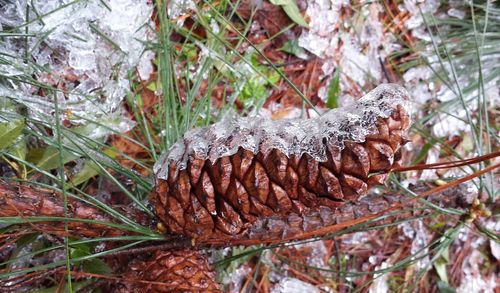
column 293, row 285
column 356, row 49
column 290, row 136
column 81, row 51
column 473, row 263
column 179, row 8
column 357, row 44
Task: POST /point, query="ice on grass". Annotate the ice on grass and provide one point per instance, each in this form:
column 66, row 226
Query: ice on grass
column 420, row 238
column 316, row 252
column 86, row 50
column 235, row 280
column 354, row 41
column 179, row 8
column 417, row 9
column 290, row 136
column 355, row 48
column 380, row 282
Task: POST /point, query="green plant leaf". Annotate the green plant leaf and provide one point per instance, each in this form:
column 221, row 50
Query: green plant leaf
column 292, row 10
column 47, row 158
column 445, row 288
column 152, row 86
column 90, row 169
column 255, row 86
column 440, row 265
column 80, row 250
column 19, row 150
column 96, row 266
column 292, row 47
column 423, row 153
column 332, row 100
column 9, row 131
column 279, row 2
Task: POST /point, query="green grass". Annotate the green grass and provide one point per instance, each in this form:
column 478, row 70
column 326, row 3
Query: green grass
column 469, row 56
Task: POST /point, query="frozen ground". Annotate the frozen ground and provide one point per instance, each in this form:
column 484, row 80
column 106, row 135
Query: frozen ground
column 85, row 51
column 85, row 54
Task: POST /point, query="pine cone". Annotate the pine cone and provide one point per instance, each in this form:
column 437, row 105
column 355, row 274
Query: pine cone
column 170, row 271
column 219, row 182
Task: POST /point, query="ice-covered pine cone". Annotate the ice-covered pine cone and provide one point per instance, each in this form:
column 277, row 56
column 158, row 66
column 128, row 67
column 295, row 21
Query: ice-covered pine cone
column 218, row 181
column 169, row 271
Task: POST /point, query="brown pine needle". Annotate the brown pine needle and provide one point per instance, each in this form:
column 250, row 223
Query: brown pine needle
column 445, row 165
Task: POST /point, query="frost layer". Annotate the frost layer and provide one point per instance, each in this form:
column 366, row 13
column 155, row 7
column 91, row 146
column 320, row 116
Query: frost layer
column 85, row 49
column 292, row 285
column 291, row 136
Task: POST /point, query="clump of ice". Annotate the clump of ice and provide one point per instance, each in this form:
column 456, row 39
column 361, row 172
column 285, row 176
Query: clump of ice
column 380, row 281
column 420, row 236
column 356, row 48
column 474, row 278
column 85, row 50
column 293, row 285
column 235, row 280
column 450, row 125
column 318, row 251
column 478, row 283
column 356, row 238
column 416, row 8
column 290, row 136
column 420, row 80
column 353, row 40
column 177, row 9
column 324, row 21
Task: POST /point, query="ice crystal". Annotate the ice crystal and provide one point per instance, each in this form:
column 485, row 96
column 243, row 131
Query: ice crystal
column 380, row 281
column 292, row 285
column 417, row 232
column 416, row 9
column 355, row 48
column 85, row 50
column 359, row 49
column 316, row 256
column 356, row 238
column 476, row 283
column 234, row 280
column 290, row 136
column 418, row 78
column 179, row 8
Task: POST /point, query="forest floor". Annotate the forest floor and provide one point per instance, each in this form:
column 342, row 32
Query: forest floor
column 92, row 93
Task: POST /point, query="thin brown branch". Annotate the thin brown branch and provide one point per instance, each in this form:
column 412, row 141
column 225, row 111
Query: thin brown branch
column 446, row 165
column 22, row 201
